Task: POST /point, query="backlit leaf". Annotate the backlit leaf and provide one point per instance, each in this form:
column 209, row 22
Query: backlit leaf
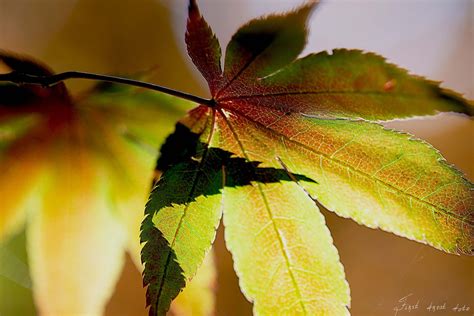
column 185, row 206
column 198, row 298
column 380, row 178
column 345, row 84
column 283, row 251
column 281, row 247
column 306, row 117
column 183, row 212
column 202, row 42
column 263, row 46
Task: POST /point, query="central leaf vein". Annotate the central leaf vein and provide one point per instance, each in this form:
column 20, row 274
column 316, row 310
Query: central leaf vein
column 272, row 218
column 324, row 92
column 199, row 172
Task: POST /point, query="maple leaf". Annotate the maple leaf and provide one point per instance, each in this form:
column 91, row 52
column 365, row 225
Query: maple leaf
column 74, row 169
column 279, row 134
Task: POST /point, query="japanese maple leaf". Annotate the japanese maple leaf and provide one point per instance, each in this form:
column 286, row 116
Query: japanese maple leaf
column 279, row 134
column 74, row 169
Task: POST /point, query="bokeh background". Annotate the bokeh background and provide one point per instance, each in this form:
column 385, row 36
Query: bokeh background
column 433, row 38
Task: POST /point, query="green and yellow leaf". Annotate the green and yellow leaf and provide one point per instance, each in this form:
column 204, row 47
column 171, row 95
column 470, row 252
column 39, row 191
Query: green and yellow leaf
column 69, row 275
column 183, row 212
column 346, row 84
column 381, row 178
column 307, row 116
column 198, row 298
column 282, row 249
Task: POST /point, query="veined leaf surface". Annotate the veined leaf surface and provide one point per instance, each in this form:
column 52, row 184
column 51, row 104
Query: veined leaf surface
column 307, row 117
column 198, row 298
column 182, row 214
column 345, row 84
column 282, row 249
column 381, row 178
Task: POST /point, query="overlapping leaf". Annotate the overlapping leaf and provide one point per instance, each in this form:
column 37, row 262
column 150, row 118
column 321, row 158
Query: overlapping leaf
column 306, row 118
column 185, row 206
column 181, row 215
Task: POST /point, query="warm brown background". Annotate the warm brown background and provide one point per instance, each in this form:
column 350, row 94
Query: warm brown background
column 432, row 38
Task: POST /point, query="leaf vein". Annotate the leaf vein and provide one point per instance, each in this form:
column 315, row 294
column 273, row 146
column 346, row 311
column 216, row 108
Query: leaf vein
column 325, row 92
column 180, row 223
column 342, row 163
column 270, row 214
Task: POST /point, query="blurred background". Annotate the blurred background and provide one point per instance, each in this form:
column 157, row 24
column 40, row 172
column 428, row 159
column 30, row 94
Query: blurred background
column 431, row 38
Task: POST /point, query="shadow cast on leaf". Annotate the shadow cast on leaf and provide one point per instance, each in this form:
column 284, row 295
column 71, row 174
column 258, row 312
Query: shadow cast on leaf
column 184, row 154
column 186, row 170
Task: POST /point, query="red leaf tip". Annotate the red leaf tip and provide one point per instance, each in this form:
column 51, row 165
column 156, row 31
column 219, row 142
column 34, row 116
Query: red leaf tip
column 193, row 9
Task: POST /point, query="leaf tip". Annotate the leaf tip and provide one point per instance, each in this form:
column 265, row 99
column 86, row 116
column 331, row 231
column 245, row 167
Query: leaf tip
column 308, row 7
column 193, row 9
column 24, row 64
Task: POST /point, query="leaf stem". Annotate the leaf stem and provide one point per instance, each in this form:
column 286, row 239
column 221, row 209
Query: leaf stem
column 47, row 81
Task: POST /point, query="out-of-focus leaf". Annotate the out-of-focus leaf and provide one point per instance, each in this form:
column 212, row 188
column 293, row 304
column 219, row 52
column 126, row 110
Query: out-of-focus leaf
column 84, row 166
column 123, row 37
column 135, row 123
column 75, row 242
column 15, row 281
column 22, row 114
